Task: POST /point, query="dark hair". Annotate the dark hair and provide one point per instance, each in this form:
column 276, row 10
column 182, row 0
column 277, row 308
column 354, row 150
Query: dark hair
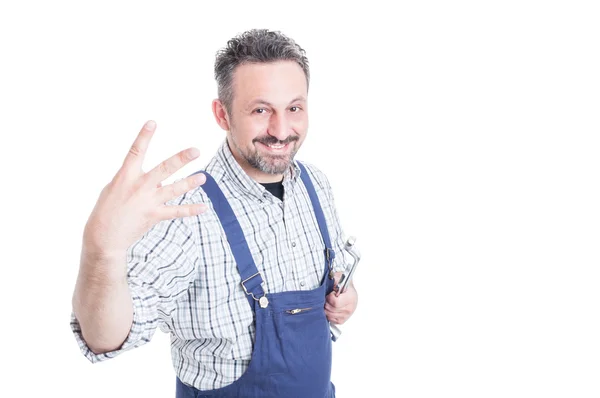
column 254, row 46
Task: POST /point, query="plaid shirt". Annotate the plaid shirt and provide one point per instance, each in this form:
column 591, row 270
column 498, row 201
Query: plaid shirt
column 183, row 277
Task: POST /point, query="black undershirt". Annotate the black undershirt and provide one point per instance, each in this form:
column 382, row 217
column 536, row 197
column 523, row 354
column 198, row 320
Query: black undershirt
column 276, row 188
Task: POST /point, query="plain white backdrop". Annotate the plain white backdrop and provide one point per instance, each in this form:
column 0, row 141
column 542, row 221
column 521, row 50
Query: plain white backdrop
column 461, row 140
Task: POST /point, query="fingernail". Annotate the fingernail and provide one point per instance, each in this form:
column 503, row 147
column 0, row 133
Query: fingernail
column 200, row 178
column 201, row 208
column 193, row 153
column 150, row 124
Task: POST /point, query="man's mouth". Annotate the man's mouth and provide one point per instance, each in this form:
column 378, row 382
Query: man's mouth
column 276, row 147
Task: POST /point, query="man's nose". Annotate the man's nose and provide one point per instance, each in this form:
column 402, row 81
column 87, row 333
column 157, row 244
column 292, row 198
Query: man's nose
column 279, row 127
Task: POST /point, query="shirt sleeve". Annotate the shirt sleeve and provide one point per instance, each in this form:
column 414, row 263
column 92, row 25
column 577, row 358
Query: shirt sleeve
column 161, row 267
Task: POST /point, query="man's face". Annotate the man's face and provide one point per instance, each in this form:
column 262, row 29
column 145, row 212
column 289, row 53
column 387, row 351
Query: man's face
column 269, row 116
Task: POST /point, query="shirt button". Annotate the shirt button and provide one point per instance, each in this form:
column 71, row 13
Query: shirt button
column 302, row 283
column 293, row 244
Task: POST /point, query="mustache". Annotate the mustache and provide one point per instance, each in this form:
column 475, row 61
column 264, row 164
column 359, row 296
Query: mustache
column 270, row 140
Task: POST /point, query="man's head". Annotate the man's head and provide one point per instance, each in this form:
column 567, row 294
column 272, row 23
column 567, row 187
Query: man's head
column 262, row 79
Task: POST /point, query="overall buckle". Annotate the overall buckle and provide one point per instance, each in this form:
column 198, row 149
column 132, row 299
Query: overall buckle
column 263, row 301
column 330, row 255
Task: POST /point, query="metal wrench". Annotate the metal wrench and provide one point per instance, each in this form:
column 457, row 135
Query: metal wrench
column 345, row 279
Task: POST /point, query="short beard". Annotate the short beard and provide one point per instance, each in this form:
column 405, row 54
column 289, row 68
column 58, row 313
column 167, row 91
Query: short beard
column 276, row 165
column 269, row 164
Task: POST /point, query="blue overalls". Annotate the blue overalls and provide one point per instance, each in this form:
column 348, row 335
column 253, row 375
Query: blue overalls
column 292, row 352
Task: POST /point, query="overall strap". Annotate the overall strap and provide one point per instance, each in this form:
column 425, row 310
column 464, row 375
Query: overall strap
column 251, row 278
column 312, row 193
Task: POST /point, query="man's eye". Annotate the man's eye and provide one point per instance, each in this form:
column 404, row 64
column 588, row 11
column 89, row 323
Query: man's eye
column 260, row 110
column 294, row 109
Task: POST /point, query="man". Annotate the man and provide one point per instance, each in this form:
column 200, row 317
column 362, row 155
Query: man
column 236, row 262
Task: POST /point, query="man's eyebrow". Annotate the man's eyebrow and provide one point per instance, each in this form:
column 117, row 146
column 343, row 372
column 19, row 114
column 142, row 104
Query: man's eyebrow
column 300, row 98
column 260, row 101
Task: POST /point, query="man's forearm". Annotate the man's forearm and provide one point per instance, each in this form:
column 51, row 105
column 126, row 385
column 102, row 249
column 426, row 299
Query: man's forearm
column 102, row 302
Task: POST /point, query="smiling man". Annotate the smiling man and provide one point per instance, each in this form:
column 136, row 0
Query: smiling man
column 269, row 115
column 237, row 262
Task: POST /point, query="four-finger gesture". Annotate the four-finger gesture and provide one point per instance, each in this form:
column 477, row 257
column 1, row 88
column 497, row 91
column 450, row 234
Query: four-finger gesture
column 134, row 201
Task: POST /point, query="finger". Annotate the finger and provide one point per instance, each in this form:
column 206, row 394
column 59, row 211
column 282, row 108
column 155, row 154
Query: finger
column 333, row 318
column 339, row 305
column 137, row 152
column 171, row 165
column 179, row 211
column 178, row 188
column 336, row 283
column 334, row 308
column 331, row 299
column 336, row 277
column 335, row 300
column 330, row 317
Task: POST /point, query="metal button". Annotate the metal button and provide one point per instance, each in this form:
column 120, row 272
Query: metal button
column 263, row 302
column 293, row 244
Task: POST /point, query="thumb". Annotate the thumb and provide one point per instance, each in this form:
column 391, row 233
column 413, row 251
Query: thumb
column 337, row 278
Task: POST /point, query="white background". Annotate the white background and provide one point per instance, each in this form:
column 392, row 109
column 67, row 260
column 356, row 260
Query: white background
column 461, row 140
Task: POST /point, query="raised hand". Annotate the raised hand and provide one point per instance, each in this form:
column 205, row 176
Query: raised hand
column 134, row 201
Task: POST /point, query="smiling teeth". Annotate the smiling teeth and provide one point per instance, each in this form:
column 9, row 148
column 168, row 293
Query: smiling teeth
column 276, row 146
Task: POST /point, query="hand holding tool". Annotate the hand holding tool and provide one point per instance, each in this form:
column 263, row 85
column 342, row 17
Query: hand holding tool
column 345, row 279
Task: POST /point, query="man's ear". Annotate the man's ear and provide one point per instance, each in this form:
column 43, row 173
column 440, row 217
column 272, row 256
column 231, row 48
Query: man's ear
column 221, row 115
